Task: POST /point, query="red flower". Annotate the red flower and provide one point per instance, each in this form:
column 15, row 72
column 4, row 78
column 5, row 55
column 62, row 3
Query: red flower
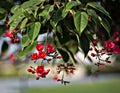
column 39, row 47
column 29, row 70
column 37, row 78
column 93, row 55
column 42, row 55
column 117, row 39
column 56, row 78
column 109, row 44
column 70, row 15
column 16, row 40
column 9, row 33
column 116, row 33
column 12, row 58
column 116, row 49
column 34, row 56
column 59, row 56
column 50, row 48
column 95, row 42
column 41, row 72
column 95, row 49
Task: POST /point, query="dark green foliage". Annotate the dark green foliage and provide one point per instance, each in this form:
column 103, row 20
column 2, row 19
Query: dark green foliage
column 69, row 20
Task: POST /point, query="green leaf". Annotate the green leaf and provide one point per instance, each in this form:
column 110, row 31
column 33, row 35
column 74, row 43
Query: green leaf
column 15, row 16
column 64, row 55
column 33, row 30
column 45, row 14
column 58, row 16
column 2, row 13
column 2, row 16
column 25, row 41
column 80, row 21
column 71, row 4
column 59, row 29
column 27, row 50
column 36, row 30
column 46, row 11
column 14, row 9
column 16, row 21
column 69, row 23
column 92, row 13
column 26, row 5
column 72, row 45
column 30, row 30
column 28, row 14
column 23, row 23
column 63, row 37
column 105, row 24
column 2, row 10
column 25, row 12
column 84, row 44
column 68, row 7
column 98, row 7
column 7, row 5
column 52, row 23
column 2, row 29
column 31, row 3
column 71, row 56
column 35, row 12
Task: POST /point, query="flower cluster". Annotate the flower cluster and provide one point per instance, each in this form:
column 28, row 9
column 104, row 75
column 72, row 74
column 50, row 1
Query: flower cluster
column 98, row 54
column 68, row 68
column 46, row 53
column 40, row 71
column 111, row 46
column 12, row 36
